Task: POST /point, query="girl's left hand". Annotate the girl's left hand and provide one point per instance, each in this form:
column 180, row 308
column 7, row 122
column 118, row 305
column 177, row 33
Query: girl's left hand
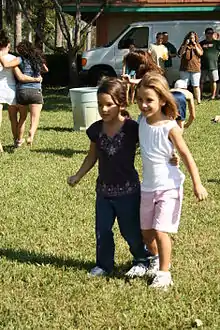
column 200, row 192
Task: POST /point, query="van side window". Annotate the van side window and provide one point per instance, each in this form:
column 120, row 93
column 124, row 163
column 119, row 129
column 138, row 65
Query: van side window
column 137, row 36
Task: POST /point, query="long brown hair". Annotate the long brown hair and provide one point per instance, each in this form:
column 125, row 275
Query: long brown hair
column 159, row 84
column 141, row 62
column 116, row 88
column 29, row 52
column 188, row 37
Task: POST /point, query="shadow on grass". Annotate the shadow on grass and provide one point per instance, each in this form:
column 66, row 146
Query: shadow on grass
column 31, row 257
column 61, row 152
column 57, row 129
column 10, row 149
column 24, row 256
column 214, row 181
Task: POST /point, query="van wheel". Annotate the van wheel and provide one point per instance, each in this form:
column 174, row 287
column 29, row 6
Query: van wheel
column 96, row 74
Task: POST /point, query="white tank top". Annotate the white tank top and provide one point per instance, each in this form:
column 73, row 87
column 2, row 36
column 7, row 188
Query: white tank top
column 6, row 75
column 156, row 151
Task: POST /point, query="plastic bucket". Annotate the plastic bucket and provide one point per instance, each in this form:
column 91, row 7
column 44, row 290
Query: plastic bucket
column 84, row 107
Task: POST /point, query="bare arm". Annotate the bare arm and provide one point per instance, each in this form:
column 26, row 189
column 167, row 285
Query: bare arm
column 123, row 68
column 198, row 49
column 176, row 137
column 131, row 80
column 150, row 49
column 134, row 81
column 86, row 166
column 10, row 64
column 23, row 78
column 182, row 50
column 45, row 68
column 192, row 111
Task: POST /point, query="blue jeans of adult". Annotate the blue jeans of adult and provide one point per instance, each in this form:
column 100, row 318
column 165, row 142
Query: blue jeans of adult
column 127, row 210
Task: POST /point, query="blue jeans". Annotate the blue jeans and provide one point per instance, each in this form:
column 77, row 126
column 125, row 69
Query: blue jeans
column 127, row 210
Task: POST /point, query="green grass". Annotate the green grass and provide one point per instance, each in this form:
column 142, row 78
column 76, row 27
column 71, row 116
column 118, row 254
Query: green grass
column 48, row 243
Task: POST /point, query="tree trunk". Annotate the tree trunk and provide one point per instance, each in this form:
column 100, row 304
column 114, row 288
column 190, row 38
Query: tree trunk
column 73, row 69
column 89, row 39
column 17, row 27
column 58, row 34
column 72, row 53
column 77, row 24
column 40, row 27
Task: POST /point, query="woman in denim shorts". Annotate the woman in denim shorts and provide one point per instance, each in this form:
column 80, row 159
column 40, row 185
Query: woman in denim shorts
column 31, row 63
column 190, row 66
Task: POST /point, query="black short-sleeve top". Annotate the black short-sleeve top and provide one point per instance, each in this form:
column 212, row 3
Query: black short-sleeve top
column 117, row 175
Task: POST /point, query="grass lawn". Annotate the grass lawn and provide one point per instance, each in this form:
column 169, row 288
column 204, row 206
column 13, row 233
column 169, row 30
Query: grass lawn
column 48, row 243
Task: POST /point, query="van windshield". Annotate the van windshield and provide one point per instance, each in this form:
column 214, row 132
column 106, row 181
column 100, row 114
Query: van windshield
column 113, row 41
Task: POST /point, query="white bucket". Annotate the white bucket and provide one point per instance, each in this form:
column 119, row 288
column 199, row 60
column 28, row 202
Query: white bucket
column 84, row 106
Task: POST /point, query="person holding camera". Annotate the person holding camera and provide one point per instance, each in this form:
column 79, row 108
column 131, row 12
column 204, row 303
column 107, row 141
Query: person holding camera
column 190, row 53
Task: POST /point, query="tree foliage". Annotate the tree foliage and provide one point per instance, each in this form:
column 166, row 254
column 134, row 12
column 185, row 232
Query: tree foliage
column 41, row 16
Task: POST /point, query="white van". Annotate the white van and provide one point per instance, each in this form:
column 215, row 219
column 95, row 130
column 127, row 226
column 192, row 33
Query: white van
column 107, row 60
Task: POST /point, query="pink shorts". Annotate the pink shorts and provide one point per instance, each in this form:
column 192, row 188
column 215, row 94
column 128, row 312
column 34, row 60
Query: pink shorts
column 161, row 210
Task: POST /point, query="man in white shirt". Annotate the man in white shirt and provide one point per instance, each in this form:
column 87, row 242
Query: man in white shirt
column 158, row 51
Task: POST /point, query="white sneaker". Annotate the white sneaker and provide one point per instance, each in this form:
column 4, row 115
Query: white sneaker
column 138, row 270
column 153, row 267
column 97, row 271
column 162, row 280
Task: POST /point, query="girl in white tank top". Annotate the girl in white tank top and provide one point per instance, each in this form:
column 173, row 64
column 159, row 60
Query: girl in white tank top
column 8, row 91
column 162, row 183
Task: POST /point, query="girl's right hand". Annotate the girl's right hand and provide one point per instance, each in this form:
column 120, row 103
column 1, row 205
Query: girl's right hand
column 175, row 160
column 200, row 192
column 39, row 79
column 72, row 180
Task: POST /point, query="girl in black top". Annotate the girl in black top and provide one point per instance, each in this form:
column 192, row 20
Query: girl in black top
column 113, row 142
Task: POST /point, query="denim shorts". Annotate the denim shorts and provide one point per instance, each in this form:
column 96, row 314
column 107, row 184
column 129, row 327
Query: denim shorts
column 28, row 96
column 191, row 77
column 182, row 114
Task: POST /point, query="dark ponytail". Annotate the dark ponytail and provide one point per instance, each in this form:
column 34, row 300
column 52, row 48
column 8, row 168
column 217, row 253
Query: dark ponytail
column 4, row 40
